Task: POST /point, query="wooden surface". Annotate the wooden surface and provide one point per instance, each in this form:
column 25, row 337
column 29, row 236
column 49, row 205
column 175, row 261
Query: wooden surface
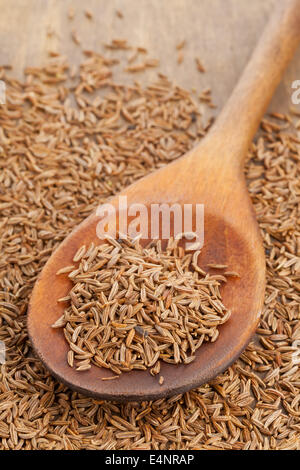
column 221, row 32
column 212, row 173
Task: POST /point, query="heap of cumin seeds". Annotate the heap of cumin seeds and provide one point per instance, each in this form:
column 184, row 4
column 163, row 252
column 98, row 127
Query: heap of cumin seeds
column 131, row 307
column 56, row 165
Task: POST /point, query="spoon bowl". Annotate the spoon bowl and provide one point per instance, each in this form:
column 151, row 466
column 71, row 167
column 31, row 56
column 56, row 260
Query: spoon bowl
column 226, row 241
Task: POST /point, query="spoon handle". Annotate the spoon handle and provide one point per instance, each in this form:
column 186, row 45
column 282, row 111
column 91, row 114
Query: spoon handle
column 241, row 115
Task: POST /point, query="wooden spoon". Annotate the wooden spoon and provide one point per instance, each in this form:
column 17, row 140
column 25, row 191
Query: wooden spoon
column 212, row 174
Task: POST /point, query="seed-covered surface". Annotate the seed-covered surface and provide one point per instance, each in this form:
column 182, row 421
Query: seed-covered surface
column 61, row 153
column 130, row 307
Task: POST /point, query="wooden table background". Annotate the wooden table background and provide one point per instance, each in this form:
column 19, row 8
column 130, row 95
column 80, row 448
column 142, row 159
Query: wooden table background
column 220, row 32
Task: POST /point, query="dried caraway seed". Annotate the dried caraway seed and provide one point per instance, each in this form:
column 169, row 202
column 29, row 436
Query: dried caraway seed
column 56, row 166
column 151, row 305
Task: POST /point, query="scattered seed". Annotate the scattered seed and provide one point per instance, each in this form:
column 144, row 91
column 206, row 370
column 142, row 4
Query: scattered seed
column 88, row 14
column 199, row 65
column 56, row 165
column 110, row 378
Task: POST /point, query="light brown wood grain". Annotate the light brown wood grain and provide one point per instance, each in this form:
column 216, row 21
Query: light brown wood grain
column 210, row 174
column 222, row 33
